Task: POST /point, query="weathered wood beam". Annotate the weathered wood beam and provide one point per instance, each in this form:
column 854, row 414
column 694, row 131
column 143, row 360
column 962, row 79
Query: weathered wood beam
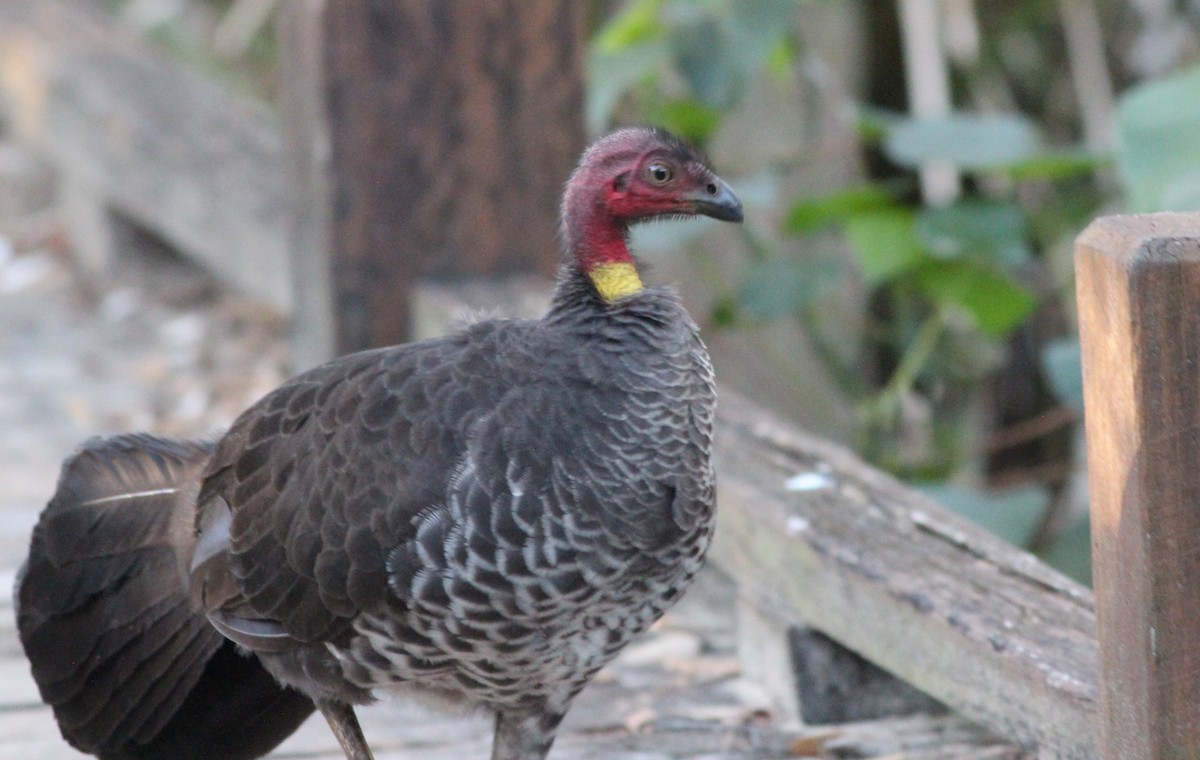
column 816, row 538
column 1138, row 282
column 132, row 130
column 439, row 135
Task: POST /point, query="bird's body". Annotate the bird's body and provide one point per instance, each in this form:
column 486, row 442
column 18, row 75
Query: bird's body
column 546, row 509
column 486, row 517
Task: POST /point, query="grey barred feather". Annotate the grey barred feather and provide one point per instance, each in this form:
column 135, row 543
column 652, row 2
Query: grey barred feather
column 525, row 500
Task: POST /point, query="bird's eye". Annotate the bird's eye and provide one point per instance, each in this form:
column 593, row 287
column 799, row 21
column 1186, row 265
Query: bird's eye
column 660, row 173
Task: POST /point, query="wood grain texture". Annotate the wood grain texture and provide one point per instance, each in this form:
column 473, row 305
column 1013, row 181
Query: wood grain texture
column 450, row 130
column 1138, row 282
column 815, row 537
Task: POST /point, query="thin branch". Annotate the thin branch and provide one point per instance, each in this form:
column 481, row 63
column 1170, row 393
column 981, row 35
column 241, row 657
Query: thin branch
column 886, row 403
column 1032, row 429
column 928, row 89
column 1089, row 72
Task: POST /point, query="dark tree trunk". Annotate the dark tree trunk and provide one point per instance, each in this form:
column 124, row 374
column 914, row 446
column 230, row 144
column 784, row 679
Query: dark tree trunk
column 429, row 139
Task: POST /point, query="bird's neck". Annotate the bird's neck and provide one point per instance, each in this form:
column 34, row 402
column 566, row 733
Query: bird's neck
column 600, row 245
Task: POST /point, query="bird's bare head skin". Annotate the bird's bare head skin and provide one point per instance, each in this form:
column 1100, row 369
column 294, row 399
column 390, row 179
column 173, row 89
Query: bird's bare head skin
column 635, row 175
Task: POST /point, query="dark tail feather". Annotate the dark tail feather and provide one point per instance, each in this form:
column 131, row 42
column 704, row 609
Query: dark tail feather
column 131, row 672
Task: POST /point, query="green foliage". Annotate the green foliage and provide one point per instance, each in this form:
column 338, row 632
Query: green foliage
column 690, row 119
column 884, row 242
column 636, row 23
column 813, row 214
column 995, row 303
column 1158, row 133
column 776, row 287
column 969, row 141
column 613, row 74
column 943, row 288
column 1062, row 368
column 995, row 230
column 685, row 63
column 188, row 37
column 1057, row 165
column 955, row 256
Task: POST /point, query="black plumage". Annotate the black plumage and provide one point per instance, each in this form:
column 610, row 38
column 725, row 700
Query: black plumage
column 102, row 607
column 486, row 517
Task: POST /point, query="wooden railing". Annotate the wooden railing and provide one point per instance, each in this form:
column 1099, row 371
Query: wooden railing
column 1138, row 284
column 814, row 538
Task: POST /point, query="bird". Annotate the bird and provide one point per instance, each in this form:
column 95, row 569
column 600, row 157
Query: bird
column 482, row 519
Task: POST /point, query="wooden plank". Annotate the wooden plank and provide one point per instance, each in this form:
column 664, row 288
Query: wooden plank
column 1138, row 281
column 135, row 131
column 443, row 134
column 817, row 538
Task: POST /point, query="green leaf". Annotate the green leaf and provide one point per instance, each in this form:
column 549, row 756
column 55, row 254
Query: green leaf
column 611, row 75
column 1014, row 515
column 995, row 303
column 873, row 124
column 810, row 214
column 777, row 286
column 1182, row 191
column 1057, row 165
column 781, row 58
column 885, row 243
column 1062, row 369
column 724, row 312
column 969, row 141
column 994, row 230
column 707, row 60
column 690, row 119
column 1158, row 143
column 757, row 29
column 637, row 22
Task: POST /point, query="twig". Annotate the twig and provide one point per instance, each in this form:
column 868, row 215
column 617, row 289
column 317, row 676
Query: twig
column 1031, row 429
column 928, row 89
column 885, row 403
column 962, row 31
column 1089, row 72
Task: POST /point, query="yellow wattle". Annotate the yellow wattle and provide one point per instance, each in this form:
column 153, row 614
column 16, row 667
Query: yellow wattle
column 615, row 279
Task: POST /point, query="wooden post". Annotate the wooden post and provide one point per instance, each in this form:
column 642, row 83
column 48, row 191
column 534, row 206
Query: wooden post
column 429, row 139
column 1138, row 281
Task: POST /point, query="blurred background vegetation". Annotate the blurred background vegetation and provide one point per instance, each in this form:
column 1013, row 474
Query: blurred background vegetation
column 915, row 172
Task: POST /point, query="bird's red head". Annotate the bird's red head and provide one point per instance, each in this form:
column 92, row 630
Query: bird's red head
column 630, row 176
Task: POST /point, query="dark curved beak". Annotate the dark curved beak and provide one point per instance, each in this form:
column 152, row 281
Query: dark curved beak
column 716, row 200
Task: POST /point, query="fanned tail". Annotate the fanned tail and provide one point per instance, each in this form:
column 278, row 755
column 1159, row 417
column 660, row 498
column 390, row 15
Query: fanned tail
column 129, row 669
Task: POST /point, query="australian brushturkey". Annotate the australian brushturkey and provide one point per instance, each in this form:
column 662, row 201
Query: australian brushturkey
column 486, row 518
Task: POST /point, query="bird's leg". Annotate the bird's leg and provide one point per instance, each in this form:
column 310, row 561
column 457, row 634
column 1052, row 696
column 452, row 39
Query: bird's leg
column 342, row 720
column 525, row 735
